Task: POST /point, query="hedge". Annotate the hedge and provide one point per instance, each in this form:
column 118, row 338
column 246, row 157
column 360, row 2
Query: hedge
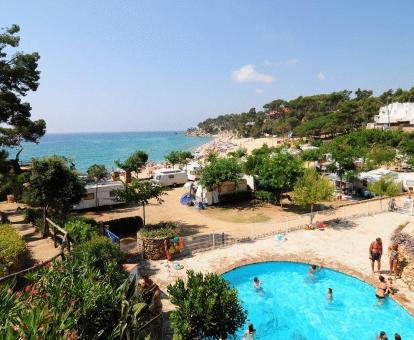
column 11, row 246
column 124, row 226
column 159, row 230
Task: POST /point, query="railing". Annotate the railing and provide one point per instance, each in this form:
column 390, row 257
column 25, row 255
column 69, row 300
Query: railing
column 58, row 234
column 197, row 243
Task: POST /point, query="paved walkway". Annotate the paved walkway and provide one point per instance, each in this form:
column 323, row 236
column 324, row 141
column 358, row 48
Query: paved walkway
column 41, row 249
column 344, row 248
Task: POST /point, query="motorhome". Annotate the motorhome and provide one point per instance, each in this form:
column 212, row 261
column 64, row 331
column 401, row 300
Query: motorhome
column 170, row 177
column 102, row 194
column 194, row 171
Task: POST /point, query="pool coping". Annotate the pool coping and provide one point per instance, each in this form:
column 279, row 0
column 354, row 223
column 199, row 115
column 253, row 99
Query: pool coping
column 372, row 281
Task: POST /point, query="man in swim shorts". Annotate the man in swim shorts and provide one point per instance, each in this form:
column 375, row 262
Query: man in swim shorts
column 375, row 253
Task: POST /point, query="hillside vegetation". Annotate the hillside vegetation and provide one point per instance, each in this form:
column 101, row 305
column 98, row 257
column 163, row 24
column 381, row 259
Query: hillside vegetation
column 322, row 115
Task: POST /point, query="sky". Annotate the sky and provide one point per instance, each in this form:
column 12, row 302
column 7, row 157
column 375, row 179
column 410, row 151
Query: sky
column 147, row 65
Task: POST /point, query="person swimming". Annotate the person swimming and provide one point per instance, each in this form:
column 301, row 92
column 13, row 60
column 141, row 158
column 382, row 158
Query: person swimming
column 329, row 295
column 250, row 332
column 257, row 283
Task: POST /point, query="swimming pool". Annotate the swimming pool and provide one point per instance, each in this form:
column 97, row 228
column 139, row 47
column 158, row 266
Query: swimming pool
column 292, row 305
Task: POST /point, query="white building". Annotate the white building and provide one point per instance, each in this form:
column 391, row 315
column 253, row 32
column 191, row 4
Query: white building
column 395, row 114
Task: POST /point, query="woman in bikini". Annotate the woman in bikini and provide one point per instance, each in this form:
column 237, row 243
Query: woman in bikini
column 394, row 262
column 375, row 253
column 382, row 288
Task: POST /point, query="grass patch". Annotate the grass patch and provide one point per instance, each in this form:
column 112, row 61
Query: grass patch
column 237, row 216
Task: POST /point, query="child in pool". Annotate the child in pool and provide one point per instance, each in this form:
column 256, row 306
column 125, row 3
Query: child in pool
column 329, row 295
column 257, row 283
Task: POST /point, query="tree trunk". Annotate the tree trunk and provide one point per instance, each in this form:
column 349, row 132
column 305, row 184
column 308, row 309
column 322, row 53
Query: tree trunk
column 143, row 213
column 311, row 214
column 45, row 231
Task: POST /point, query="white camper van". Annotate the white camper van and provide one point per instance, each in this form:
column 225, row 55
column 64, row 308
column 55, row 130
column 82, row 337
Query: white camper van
column 104, row 196
column 193, row 171
column 170, row 177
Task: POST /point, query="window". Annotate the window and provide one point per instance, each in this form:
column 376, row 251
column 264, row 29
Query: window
column 170, row 176
column 112, row 193
column 88, row 197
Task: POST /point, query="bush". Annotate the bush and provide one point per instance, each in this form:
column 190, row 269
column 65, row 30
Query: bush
column 266, row 196
column 206, row 307
column 159, row 230
column 11, row 245
column 30, row 214
column 126, row 225
column 80, row 231
column 99, row 253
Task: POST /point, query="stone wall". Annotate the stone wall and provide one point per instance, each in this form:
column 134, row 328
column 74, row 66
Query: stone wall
column 407, row 273
column 153, row 248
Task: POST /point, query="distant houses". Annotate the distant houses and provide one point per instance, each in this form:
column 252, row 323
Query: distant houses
column 394, row 115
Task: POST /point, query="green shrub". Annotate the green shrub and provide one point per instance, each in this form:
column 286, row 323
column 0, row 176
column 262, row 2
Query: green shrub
column 80, row 231
column 206, row 307
column 11, row 245
column 30, row 214
column 159, row 230
column 99, row 253
column 266, row 196
column 125, row 225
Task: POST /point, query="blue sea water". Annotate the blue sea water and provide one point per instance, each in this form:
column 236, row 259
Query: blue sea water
column 294, row 306
column 86, row 149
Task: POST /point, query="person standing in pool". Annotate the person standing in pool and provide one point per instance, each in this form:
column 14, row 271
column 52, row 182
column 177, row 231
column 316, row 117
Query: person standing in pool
column 382, row 336
column 375, row 253
column 382, row 288
column 329, row 295
column 257, row 284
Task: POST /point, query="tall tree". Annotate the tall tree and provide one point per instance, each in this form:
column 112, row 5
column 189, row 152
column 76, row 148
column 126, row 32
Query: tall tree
column 220, row 170
column 19, row 75
column 97, row 173
column 54, row 184
column 185, row 157
column 277, row 172
column 140, row 193
column 173, row 157
column 133, row 163
column 311, row 189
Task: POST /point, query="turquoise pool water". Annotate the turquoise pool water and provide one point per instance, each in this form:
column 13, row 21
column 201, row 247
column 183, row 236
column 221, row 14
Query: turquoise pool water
column 293, row 305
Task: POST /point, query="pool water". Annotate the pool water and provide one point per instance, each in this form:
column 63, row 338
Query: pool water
column 293, row 305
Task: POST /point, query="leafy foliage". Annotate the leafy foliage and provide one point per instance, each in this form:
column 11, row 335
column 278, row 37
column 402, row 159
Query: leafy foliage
column 385, row 186
column 80, row 231
column 318, row 115
column 159, row 230
column 140, row 193
column 97, row 172
column 275, row 169
column 54, row 184
column 18, row 76
column 178, row 157
column 11, row 245
column 206, row 307
column 312, row 188
column 220, row 170
column 134, row 162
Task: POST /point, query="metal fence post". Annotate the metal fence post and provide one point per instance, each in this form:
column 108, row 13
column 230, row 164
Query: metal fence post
column 214, row 240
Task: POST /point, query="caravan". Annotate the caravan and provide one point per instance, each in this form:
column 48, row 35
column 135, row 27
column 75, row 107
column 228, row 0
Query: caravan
column 170, row 177
column 194, row 171
column 99, row 195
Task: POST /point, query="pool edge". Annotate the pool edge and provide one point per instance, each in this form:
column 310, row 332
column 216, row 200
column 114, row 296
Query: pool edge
column 329, row 265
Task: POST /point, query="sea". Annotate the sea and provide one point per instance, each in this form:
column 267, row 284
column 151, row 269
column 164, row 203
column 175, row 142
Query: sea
column 85, row 149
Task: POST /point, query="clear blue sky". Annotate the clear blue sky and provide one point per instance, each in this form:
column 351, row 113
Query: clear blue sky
column 166, row 65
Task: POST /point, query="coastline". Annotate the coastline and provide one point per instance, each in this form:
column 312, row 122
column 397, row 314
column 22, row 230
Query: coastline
column 226, row 142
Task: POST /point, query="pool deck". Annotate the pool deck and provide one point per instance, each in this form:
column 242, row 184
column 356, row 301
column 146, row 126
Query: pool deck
column 344, row 249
